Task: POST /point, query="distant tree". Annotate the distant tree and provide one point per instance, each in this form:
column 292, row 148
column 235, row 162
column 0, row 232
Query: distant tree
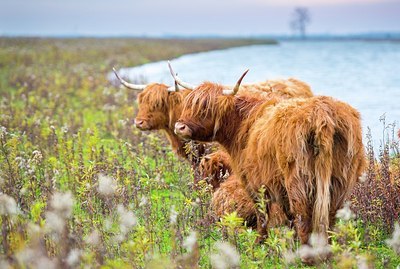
column 300, row 19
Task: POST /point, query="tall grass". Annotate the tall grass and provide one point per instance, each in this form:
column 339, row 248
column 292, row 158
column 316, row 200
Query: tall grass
column 81, row 187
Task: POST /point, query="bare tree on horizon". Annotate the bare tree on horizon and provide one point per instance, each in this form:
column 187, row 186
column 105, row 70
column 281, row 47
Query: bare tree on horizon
column 300, row 19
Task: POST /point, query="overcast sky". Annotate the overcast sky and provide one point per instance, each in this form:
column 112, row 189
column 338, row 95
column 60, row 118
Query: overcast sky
column 188, row 17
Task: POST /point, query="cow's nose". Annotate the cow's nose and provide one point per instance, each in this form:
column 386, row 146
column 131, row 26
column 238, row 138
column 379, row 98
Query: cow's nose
column 138, row 122
column 182, row 129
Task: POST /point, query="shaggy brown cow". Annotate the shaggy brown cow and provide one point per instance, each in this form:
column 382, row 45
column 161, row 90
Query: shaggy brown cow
column 306, row 152
column 229, row 194
column 159, row 108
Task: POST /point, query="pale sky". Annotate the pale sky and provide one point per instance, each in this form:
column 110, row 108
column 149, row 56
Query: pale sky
column 186, row 17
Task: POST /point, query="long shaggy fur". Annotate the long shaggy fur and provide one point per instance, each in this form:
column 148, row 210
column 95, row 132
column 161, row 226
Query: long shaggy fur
column 229, row 194
column 307, row 152
column 160, row 109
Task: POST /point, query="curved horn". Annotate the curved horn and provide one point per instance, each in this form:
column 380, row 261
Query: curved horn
column 179, row 81
column 237, row 86
column 131, row 86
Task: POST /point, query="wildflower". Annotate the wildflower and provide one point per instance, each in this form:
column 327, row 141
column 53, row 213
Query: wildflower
column 362, row 262
column 345, row 213
column 318, row 249
column 61, row 209
column 226, row 256
column 107, row 224
column 22, row 163
column 190, row 241
column 108, row 107
column 143, row 201
column 35, row 258
column 126, row 219
column 4, row 264
column 54, row 222
column 289, row 257
column 64, row 129
column 3, row 132
column 363, row 178
column 8, row 206
column 173, row 215
column 73, row 257
column 62, row 204
column 394, row 242
column 37, row 156
column 93, row 238
column 107, row 185
column 122, row 122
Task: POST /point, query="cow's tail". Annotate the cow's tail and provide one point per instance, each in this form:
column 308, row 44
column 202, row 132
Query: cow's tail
column 324, row 139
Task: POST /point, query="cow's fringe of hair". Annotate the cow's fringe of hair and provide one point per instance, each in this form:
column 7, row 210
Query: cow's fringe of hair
column 160, row 99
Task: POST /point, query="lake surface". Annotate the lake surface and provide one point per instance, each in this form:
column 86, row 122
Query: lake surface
column 363, row 74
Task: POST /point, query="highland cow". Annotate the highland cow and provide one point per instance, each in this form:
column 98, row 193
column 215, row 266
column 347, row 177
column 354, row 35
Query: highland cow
column 159, row 108
column 306, row 152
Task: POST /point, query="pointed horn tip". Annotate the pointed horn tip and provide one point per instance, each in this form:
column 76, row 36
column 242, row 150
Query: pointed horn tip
column 244, row 74
column 116, row 73
column 171, row 70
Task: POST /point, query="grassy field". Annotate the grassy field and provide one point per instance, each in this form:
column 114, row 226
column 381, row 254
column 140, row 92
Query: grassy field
column 82, row 188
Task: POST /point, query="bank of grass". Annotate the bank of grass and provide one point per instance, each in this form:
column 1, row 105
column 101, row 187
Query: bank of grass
column 92, row 191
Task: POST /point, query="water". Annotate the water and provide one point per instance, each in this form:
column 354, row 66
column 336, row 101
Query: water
column 363, row 74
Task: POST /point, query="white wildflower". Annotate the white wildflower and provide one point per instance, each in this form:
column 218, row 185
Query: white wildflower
column 190, row 241
column 73, row 257
column 62, row 204
column 107, row 185
column 289, row 257
column 173, row 215
column 3, row 132
column 363, row 178
column 143, row 201
column 127, row 220
column 22, row 163
column 118, row 238
column 8, row 206
column 108, row 107
column 225, row 257
column 394, row 242
column 37, row 156
column 34, row 258
column 362, row 262
column 345, row 213
column 64, row 129
column 122, row 122
column 107, row 224
column 45, row 262
column 54, row 222
column 4, row 264
column 93, row 238
column 318, row 249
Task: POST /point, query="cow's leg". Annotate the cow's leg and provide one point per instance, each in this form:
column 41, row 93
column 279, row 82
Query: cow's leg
column 339, row 192
column 300, row 205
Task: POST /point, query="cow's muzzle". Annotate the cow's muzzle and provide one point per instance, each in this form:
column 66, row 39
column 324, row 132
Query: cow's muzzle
column 183, row 130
